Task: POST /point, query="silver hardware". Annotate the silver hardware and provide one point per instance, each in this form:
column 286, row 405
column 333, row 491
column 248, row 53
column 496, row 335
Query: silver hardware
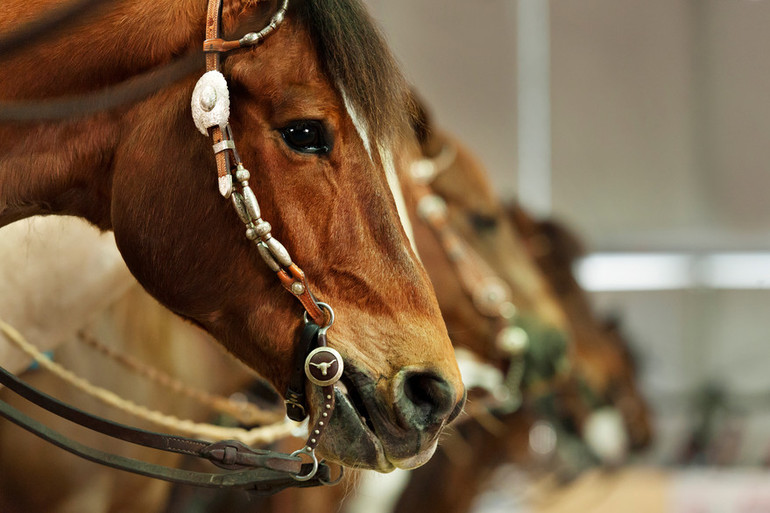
column 250, row 202
column 491, row 296
column 297, row 288
column 225, row 144
column 241, row 173
column 268, row 257
column 208, row 98
column 310, row 452
column 423, row 171
column 512, row 340
column 226, row 185
column 431, row 206
column 249, row 39
column 240, row 207
column 278, row 251
column 262, row 228
column 254, row 38
column 508, row 310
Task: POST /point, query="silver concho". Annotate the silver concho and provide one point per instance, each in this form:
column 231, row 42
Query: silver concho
column 323, row 366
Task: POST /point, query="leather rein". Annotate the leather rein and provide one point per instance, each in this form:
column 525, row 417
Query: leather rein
column 256, row 470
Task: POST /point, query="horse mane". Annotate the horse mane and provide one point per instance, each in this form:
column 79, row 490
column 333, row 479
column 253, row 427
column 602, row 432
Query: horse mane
column 354, row 53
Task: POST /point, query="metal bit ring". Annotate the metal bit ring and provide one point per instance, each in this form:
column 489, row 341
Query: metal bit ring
column 331, row 316
column 312, row 473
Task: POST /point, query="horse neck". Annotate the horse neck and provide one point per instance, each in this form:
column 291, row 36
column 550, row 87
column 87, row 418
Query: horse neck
column 62, row 167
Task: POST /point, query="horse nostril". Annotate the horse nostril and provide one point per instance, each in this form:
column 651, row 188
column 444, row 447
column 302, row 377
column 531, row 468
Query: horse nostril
column 426, row 400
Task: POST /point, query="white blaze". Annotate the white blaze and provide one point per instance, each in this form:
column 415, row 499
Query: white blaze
column 386, row 156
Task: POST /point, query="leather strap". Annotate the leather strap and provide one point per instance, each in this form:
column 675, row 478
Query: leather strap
column 265, row 471
column 259, row 480
column 159, row 441
column 296, row 402
column 297, row 275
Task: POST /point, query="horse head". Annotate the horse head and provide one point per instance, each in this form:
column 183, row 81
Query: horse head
column 494, row 299
column 314, row 109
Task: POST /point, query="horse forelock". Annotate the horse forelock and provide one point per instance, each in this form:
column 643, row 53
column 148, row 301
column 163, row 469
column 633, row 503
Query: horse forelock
column 385, row 152
column 354, row 54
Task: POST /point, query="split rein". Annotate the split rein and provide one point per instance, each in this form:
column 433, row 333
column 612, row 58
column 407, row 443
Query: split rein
column 257, row 470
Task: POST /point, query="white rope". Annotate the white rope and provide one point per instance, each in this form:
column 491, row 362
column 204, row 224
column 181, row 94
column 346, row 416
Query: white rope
column 243, row 411
column 261, row 435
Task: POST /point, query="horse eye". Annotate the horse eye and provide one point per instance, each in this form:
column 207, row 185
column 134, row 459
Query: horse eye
column 306, row 136
column 482, row 223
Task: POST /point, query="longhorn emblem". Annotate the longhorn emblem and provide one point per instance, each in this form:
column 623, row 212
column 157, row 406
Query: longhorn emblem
column 323, row 366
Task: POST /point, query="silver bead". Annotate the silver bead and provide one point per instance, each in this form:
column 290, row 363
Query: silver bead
column 251, row 233
column 279, row 252
column 268, row 257
column 263, row 228
column 208, row 98
column 513, row 341
column 250, row 201
column 297, row 288
column 240, row 207
column 248, row 39
column 242, row 174
column 431, row 206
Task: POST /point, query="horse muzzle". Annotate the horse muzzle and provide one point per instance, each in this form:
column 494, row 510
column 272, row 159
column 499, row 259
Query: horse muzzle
column 387, row 424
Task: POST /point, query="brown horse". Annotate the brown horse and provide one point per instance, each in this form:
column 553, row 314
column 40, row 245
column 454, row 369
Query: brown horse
column 604, row 357
column 475, row 447
column 479, row 227
column 601, row 377
column 319, row 173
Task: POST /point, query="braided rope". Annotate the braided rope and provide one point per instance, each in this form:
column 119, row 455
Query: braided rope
column 245, row 412
column 260, row 435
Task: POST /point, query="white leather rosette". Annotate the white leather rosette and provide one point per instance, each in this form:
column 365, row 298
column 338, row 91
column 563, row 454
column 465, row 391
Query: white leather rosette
column 210, row 101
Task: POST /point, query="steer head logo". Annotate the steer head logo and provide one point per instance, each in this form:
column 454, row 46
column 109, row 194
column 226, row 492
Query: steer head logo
column 323, row 366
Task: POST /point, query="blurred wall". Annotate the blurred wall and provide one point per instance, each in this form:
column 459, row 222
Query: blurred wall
column 660, row 111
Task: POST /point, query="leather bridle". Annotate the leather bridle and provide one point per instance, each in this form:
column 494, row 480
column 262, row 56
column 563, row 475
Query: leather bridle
column 260, row 471
column 490, row 294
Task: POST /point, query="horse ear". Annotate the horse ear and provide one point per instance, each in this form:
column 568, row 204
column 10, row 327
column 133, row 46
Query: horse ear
column 419, row 117
column 563, row 240
column 239, row 17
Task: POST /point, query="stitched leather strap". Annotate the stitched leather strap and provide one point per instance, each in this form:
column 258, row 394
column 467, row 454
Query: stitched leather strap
column 296, row 403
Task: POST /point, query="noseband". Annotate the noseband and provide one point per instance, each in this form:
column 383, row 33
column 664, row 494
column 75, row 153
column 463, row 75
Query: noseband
column 260, row 471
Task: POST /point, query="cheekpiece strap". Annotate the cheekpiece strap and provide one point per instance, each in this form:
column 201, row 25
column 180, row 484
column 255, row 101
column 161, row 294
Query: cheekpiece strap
column 296, row 402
